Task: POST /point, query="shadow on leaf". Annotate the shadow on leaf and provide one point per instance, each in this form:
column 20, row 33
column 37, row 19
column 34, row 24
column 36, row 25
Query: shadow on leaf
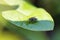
column 7, row 7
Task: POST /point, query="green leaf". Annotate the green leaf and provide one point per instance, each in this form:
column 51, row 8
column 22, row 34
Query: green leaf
column 44, row 22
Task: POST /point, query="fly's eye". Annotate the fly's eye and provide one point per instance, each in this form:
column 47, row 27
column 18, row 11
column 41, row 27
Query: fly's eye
column 32, row 20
